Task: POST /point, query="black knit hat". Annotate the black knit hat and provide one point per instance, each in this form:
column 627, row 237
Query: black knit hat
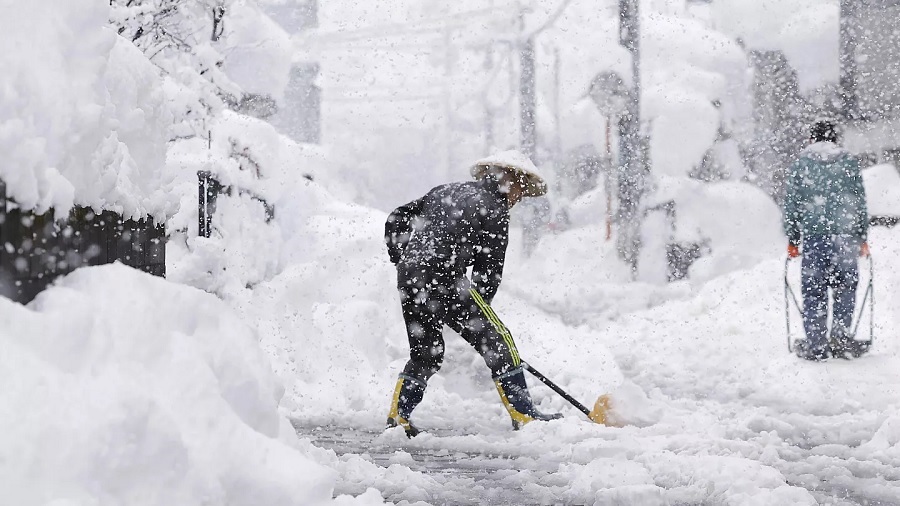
column 823, row 131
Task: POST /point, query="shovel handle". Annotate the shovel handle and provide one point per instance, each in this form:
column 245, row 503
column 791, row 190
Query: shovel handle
column 545, row 380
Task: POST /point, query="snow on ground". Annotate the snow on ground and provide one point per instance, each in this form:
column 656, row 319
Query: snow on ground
column 109, row 405
column 882, row 183
column 715, row 409
column 122, row 388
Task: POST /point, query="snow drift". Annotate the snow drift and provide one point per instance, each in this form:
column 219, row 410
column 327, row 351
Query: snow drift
column 84, row 118
column 122, row 388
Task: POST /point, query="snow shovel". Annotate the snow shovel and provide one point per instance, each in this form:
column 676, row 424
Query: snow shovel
column 596, row 415
column 868, row 296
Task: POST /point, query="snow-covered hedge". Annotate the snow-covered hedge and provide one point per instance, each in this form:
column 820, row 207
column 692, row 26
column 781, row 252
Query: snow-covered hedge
column 84, row 118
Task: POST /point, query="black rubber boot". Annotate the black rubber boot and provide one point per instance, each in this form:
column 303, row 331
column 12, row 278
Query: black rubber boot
column 842, row 345
column 803, row 350
column 407, row 395
column 517, row 400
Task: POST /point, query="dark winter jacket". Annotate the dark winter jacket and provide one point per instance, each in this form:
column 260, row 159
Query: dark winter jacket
column 825, row 195
column 452, row 227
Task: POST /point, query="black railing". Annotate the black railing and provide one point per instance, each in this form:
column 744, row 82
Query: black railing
column 35, row 249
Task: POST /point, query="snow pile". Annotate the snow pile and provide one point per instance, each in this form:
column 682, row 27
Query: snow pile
column 258, row 50
column 84, row 117
column 737, row 224
column 578, row 273
column 259, row 167
column 109, row 403
column 87, row 117
column 687, row 67
column 806, row 30
column 882, row 183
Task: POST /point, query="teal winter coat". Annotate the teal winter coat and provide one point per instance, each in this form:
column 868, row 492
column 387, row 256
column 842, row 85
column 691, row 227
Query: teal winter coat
column 825, row 195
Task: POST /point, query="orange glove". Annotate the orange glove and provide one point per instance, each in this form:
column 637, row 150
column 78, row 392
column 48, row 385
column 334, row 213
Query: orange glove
column 793, row 251
column 864, row 250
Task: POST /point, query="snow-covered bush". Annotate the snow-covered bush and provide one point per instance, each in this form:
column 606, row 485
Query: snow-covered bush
column 84, row 118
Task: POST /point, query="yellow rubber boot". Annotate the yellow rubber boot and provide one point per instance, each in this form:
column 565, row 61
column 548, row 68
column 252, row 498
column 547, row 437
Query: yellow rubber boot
column 517, row 400
column 407, row 395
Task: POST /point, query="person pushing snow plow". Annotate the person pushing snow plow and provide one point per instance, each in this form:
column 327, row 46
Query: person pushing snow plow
column 825, row 209
column 432, row 241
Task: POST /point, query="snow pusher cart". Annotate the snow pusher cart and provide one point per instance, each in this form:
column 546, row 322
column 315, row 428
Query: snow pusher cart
column 868, row 302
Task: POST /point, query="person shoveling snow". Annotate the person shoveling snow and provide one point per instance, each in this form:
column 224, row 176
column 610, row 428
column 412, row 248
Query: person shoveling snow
column 825, row 208
column 432, row 241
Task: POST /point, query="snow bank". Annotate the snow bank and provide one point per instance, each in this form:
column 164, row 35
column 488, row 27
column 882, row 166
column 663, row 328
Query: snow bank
column 882, row 184
column 122, row 388
column 737, row 222
column 84, row 118
column 806, row 30
column 258, row 51
column 578, row 273
column 686, row 67
column 259, row 164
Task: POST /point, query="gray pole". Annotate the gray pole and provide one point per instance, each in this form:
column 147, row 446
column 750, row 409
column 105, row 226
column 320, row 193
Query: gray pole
column 848, row 36
column 526, row 98
column 632, row 166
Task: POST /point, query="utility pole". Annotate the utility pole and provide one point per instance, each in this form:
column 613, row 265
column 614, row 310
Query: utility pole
column 632, row 164
column 848, row 41
column 527, row 105
column 447, row 102
column 527, row 79
column 557, row 141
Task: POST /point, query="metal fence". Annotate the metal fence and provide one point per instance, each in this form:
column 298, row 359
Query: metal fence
column 35, row 249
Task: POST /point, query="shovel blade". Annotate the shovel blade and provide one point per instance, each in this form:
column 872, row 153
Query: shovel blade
column 600, row 413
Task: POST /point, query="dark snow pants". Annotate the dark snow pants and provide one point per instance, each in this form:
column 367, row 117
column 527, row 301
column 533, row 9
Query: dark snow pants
column 829, row 262
column 429, row 304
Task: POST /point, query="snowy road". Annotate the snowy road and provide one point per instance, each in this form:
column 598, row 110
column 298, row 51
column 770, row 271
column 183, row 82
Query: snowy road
column 456, row 468
column 718, row 412
column 461, row 470
column 449, row 467
column 459, row 476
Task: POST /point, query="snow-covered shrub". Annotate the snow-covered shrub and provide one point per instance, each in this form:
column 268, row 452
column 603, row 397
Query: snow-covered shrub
column 84, row 117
